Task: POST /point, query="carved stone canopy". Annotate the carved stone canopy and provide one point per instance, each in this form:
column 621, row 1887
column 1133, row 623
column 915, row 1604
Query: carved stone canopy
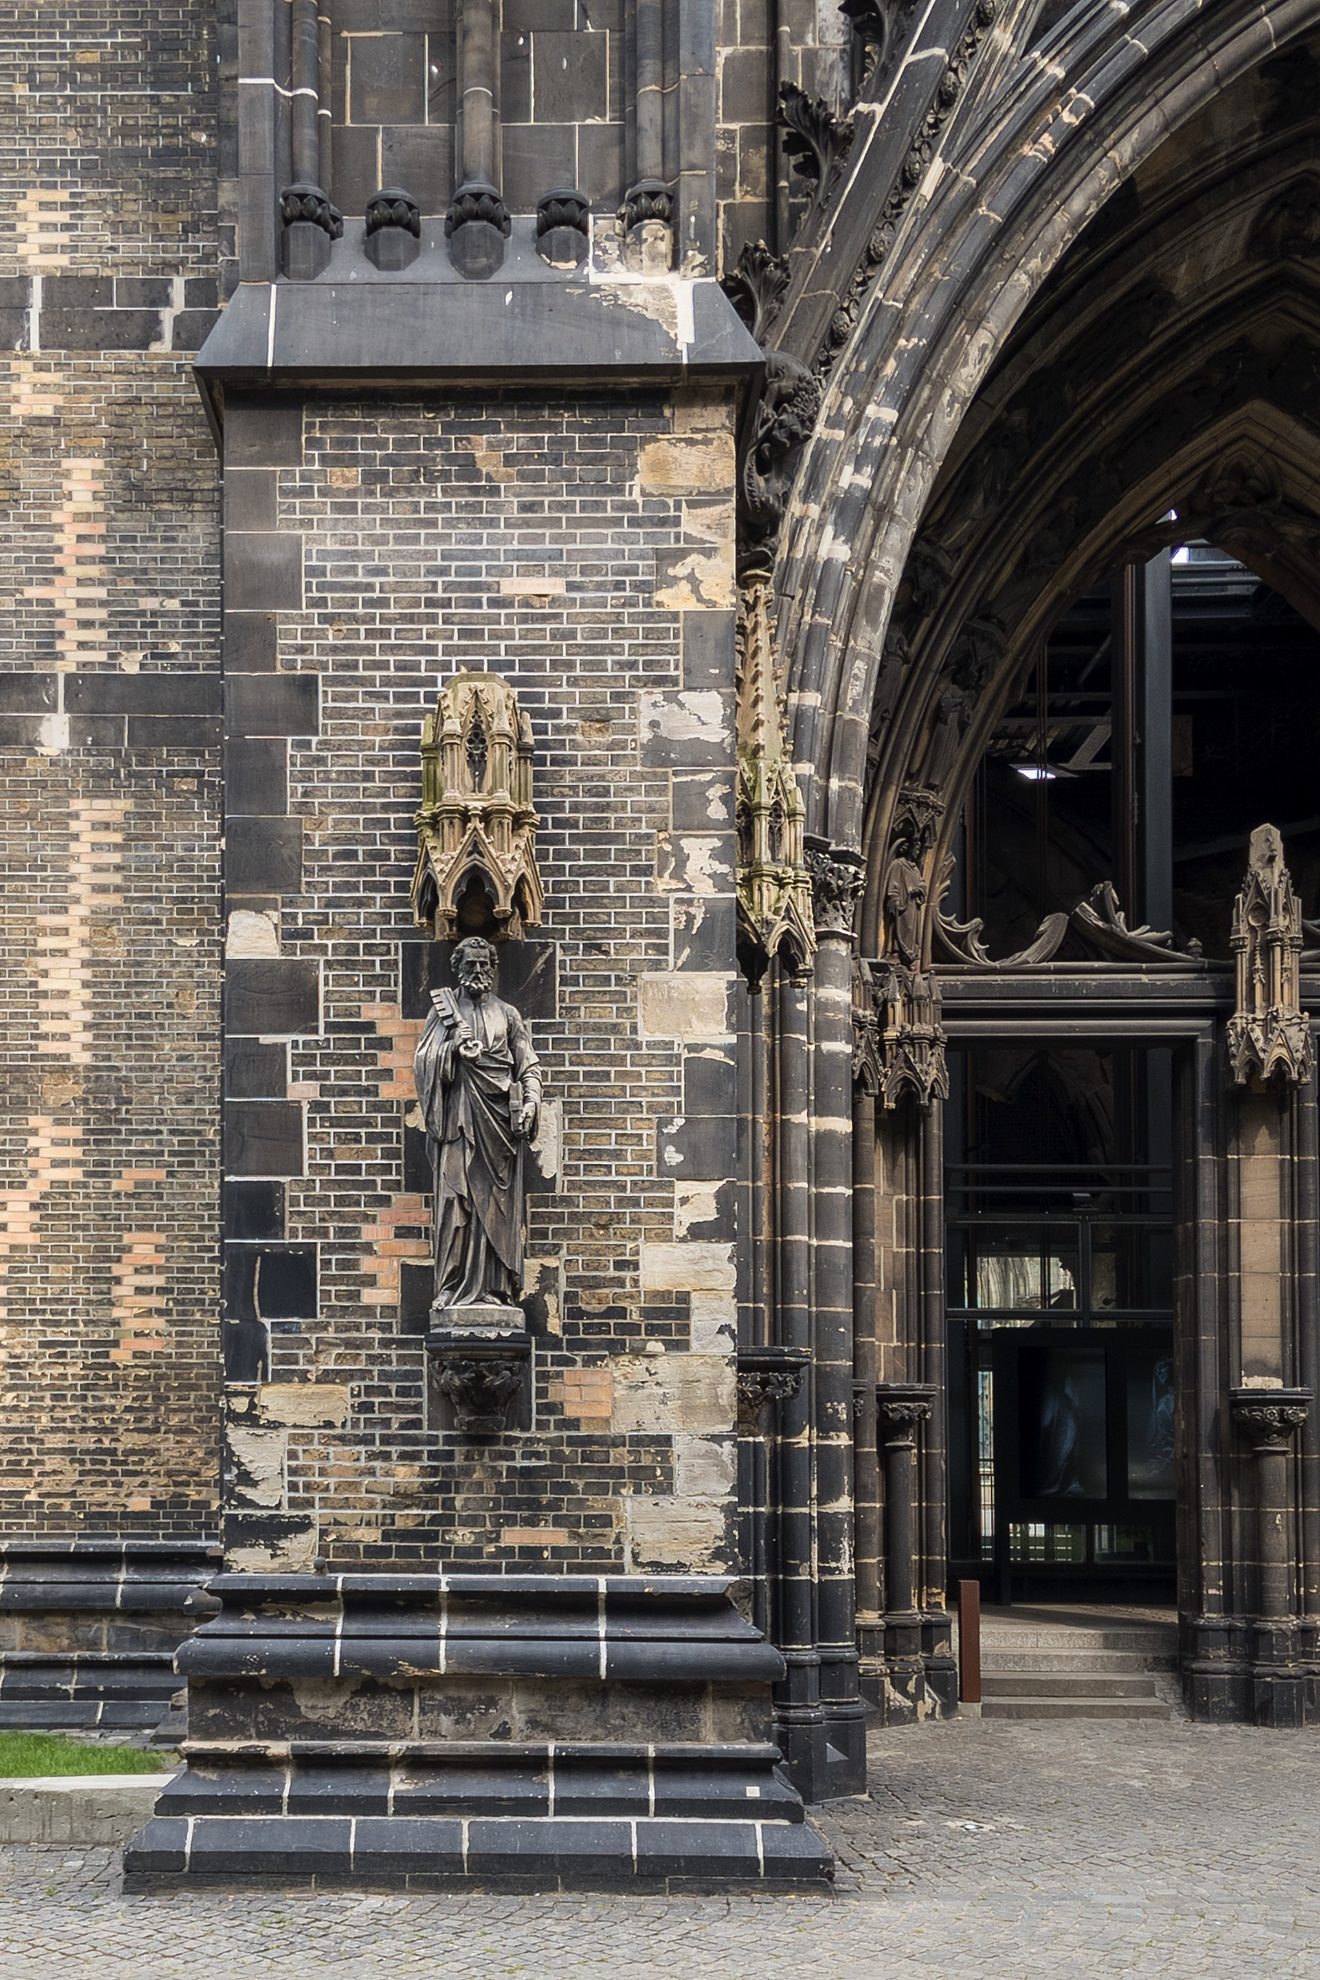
column 476, row 831
column 1270, row 1418
column 1269, row 1036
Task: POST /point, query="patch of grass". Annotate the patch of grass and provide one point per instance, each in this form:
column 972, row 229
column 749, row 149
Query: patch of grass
column 27, row 1756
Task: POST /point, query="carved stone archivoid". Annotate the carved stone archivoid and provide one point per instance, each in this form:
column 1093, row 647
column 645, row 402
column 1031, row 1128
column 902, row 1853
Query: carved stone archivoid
column 774, row 886
column 909, row 1038
column 1269, row 1037
column 476, row 831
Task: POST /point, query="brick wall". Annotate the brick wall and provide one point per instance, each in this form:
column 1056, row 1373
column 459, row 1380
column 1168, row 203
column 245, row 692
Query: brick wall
column 109, row 789
column 583, row 548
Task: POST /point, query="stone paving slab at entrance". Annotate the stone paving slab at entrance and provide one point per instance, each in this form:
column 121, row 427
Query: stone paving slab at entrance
column 987, row 1851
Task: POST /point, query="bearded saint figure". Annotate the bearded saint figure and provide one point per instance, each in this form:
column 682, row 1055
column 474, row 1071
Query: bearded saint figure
column 479, row 1083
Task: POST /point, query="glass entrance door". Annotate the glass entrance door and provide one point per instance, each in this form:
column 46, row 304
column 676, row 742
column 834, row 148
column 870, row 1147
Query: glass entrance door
column 1059, row 1289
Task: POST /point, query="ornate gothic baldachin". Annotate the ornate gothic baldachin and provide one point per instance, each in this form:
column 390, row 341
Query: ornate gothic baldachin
column 477, row 826
column 773, row 886
column 1269, row 1036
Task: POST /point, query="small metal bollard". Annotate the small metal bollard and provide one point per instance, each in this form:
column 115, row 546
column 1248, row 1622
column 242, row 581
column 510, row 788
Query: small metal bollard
column 969, row 1642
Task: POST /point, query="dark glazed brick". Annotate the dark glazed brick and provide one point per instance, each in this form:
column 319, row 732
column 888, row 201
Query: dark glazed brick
column 263, row 855
column 417, row 1288
column 143, row 292
column 263, row 571
column 191, row 328
column 708, row 649
column 26, row 694
column 271, row 996
column 273, row 704
column 703, row 800
column 187, row 732
column 705, row 931
column 99, row 329
column 98, row 732
column 286, row 1282
column 250, row 642
column 254, row 1209
column 699, row 1148
column 250, row 498
column 421, row 161
column 263, row 1138
column 262, row 430
column 256, row 777
column 20, row 731
column 142, row 694
column 537, row 157
column 256, row 1072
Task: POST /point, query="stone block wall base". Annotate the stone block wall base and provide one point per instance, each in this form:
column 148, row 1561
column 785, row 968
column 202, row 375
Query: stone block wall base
column 529, row 1731
column 88, row 1631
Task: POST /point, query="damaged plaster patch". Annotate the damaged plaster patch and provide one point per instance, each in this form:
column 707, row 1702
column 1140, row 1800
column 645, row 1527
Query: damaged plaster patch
column 687, row 1534
column 304, row 1403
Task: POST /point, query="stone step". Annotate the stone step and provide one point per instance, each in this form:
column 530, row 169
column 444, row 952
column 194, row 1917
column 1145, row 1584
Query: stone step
column 1112, row 1662
column 1076, row 1708
column 1053, row 1684
column 1131, row 1640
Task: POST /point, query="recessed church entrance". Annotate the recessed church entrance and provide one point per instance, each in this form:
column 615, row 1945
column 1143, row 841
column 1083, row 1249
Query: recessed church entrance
column 1059, row 1286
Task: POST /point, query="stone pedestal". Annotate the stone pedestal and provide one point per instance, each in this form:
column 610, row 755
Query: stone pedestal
column 479, row 1361
column 532, row 1731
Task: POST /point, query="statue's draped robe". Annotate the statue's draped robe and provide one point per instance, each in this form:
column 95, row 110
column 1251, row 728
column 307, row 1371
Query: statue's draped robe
column 469, row 1107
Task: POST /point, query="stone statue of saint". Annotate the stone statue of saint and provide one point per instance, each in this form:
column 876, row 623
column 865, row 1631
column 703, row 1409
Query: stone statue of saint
column 479, row 1083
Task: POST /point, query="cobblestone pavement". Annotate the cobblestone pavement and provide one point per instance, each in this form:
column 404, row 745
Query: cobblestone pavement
column 1075, row 1851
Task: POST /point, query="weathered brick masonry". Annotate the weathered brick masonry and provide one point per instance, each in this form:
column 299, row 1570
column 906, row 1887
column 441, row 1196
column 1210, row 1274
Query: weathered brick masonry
column 583, row 548
column 109, row 787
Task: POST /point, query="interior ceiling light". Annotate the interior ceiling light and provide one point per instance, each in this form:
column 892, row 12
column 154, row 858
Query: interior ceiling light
column 1037, row 773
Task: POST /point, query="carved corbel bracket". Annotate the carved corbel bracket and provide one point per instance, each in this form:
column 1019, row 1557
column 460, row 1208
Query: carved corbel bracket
column 646, row 221
column 1269, row 1035
column 393, row 228
column 767, row 1376
column 476, row 830
column 477, row 226
column 774, row 885
column 481, row 1375
column 1269, row 1419
column 312, row 223
column 905, row 1407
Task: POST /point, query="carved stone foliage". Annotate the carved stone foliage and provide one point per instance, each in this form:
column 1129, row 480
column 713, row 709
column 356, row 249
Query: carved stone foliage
column 904, row 1410
column 1101, row 919
column 758, row 1390
column 837, row 880
column 309, row 203
column 913, row 170
column 774, row 886
column 479, row 1383
column 563, row 227
column 392, row 207
column 1269, row 1038
column 961, row 941
column 476, row 830
column 782, row 420
column 815, row 139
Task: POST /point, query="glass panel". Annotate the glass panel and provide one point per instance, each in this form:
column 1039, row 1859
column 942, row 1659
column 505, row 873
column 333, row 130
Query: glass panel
column 985, row 1459
column 1150, row 1421
column 1125, row 1543
column 1047, row 1546
column 1131, row 1268
column 1062, row 1425
column 1022, row 1268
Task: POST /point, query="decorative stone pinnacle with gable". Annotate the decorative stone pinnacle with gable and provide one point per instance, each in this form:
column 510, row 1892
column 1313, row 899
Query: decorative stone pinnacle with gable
column 476, row 828
column 774, row 886
column 1269, row 1037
